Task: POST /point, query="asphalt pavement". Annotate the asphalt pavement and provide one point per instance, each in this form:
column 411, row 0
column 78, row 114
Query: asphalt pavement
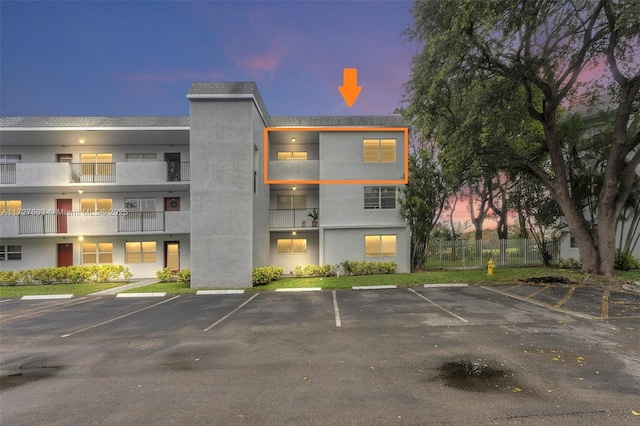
column 407, row 356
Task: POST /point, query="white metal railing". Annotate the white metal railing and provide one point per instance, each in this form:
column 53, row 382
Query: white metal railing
column 475, row 254
column 290, row 218
column 8, row 173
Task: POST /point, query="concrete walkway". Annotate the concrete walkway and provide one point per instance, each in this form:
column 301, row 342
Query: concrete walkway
column 139, row 283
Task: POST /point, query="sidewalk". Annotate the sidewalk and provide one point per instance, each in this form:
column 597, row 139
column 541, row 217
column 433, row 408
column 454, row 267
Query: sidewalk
column 139, row 283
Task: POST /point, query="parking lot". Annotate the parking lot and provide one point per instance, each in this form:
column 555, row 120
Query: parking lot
column 528, row 355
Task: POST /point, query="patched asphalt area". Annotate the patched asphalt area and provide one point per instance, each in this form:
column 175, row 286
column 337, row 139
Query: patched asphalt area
column 593, row 302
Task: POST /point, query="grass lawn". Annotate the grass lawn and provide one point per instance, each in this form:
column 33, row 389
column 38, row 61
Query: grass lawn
column 469, row 276
column 502, row 276
column 39, row 290
column 172, row 288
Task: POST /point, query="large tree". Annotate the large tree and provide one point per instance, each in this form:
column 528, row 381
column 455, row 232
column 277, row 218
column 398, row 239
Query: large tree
column 500, row 59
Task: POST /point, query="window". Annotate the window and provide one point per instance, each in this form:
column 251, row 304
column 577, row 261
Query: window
column 140, row 252
column 292, row 246
column 379, row 245
column 140, row 204
column 10, row 253
column 97, row 253
column 10, row 207
column 292, row 155
column 379, row 150
column 379, row 197
column 96, row 164
column 92, row 205
column 140, row 157
column 10, row 158
column 287, row 202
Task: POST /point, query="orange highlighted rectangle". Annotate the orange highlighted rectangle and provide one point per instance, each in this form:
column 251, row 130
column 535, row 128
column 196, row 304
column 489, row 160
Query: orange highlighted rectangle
column 403, row 181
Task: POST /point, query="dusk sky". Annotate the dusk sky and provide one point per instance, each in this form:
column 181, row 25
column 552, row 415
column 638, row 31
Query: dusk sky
column 139, row 58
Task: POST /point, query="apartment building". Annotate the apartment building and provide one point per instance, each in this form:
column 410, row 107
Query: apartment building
column 223, row 191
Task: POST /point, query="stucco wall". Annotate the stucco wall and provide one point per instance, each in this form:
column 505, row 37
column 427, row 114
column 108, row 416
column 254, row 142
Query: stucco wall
column 38, row 253
column 342, row 244
column 222, row 155
column 290, row 261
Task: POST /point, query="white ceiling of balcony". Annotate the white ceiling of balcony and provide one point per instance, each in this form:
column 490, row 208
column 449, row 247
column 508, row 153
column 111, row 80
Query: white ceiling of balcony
column 110, row 137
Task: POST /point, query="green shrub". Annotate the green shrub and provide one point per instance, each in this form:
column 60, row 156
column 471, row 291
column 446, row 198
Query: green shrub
column 352, row 267
column 9, row 278
column 184, row 275
column 78, row 274
column 165, row 275
column 624, row 261
column 25, row 277
column 312, row 271
column 265, row 274
column 44, row 275
column 569, row 263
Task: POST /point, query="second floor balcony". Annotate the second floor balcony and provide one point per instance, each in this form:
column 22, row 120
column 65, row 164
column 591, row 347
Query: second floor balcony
column 122, row 173
column 98, row 223
column 292, row 218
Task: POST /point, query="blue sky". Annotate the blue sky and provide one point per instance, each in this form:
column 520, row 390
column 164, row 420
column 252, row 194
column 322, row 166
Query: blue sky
column 139, row 58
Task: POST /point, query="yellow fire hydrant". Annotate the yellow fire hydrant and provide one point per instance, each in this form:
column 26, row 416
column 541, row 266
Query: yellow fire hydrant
column 490, row 267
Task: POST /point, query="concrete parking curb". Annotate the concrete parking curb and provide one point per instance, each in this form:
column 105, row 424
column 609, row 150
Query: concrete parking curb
column 299, row 289
column 47, row 297
column 141, row 294
column 206, row 292
column 446, row 285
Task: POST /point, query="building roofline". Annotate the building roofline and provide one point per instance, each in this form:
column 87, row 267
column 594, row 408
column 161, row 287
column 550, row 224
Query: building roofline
column 89, row 123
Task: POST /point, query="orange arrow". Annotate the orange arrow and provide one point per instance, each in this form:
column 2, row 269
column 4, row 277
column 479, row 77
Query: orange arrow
column 350, row 89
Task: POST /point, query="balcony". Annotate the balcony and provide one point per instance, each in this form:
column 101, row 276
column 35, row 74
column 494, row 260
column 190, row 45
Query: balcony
column 124, row 173
column 308, row 170
column 76, row 223
column 290, row 218
column 8, row 173
column 141, row 222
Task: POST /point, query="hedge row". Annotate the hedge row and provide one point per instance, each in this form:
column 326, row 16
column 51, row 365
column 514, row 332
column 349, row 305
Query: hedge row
column 352, row 267
column 66, row 274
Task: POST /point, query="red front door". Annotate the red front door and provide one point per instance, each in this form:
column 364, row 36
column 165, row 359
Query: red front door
column 65, row 254
column 63, row 205
column 172, row 204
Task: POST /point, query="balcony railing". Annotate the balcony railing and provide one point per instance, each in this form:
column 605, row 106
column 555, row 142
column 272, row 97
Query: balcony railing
column 141, row 222
column 178, row 171
column 93, row 172
column 8, row 173
column 41, row 224
column 290, row 218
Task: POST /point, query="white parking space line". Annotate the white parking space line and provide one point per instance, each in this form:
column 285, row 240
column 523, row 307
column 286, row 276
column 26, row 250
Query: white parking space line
column 55, row 307
column 438, row 306
column 119, row 317
column 232, row 312
column 336, row 309
column 544, row 305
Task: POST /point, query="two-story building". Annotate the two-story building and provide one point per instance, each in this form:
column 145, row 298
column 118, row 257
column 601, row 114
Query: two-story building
column 223, row 191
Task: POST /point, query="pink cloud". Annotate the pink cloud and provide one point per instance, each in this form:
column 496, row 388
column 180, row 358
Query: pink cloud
column 264, row 63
